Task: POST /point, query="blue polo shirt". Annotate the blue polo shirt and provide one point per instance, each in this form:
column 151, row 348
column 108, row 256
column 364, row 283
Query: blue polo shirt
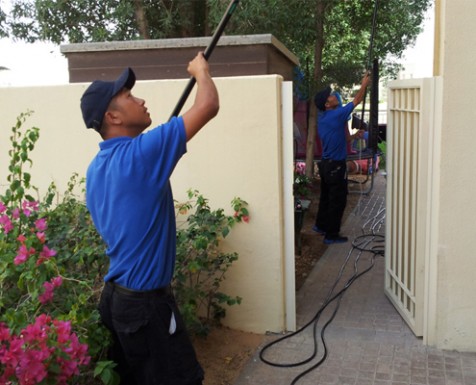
column 130, row 199
column 330, row 125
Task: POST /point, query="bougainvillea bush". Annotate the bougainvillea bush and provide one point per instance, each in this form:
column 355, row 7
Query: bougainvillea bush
column 52, row 263
column 50, row 266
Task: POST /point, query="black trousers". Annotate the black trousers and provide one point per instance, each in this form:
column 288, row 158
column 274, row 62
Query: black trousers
column 147, row 350
column 333, row 197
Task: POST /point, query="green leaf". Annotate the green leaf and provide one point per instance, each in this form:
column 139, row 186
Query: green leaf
column 225, row 231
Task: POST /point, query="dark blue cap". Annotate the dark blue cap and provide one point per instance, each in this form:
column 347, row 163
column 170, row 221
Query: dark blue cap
column 320, row 98
column 99, row 94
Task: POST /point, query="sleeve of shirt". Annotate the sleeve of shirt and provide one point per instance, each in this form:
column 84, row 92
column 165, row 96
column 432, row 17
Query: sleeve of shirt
column 347, row 109
column 162, row 147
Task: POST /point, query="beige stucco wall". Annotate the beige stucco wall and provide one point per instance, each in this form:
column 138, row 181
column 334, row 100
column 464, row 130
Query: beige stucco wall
column 238, row 154
column 455, row 325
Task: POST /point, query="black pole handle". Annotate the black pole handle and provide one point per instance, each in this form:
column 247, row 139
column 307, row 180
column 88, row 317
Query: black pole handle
column 370, row 55
column 208, row 51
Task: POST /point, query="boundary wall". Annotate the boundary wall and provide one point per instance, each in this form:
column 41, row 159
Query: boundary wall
column 246, row 152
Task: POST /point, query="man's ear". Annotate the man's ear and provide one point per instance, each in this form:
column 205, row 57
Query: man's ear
column 112, row 117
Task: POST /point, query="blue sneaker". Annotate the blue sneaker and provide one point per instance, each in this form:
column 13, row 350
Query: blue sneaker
column 318, row 230
column 335, row 239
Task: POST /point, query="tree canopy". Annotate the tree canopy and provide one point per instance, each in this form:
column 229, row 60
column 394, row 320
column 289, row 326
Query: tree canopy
column 343, row 39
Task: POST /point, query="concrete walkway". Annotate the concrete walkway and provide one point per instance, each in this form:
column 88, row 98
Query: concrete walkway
column 367, row 342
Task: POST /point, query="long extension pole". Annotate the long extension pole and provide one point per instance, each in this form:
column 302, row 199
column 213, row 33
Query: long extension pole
column 374, row 26
column 208, row 51
column 370, row 54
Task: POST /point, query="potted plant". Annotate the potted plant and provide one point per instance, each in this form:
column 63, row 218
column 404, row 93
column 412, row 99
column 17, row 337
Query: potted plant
column 302, row 193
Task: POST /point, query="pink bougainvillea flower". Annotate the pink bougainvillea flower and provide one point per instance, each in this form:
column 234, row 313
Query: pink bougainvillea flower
column 12, row 356
column 3, row 208
column 22, row 254
column 44, row 350
column 40, row 224
column 16, row 213
column 77, row 351
column 34, row 332
column 63, row 329
column 29, row 206
column 47, row 295
column 57, row 281
column 21, row 238
column 47, row 252
column 4, row 332
column 31, row 369
column 43, row 320
column 6, row 223
column 68, row 368
column 41, row 236
column 300, row 168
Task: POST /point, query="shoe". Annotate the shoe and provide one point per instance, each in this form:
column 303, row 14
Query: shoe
column 335, row 239
column 318, row 230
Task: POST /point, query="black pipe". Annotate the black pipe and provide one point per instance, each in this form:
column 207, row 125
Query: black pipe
column 208, row 51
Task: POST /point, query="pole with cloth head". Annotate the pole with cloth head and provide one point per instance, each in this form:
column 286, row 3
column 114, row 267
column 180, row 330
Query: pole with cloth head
column 207, row 53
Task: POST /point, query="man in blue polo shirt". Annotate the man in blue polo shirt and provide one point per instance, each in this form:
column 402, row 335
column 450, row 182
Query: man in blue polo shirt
column 333, row 168
column 130, row 199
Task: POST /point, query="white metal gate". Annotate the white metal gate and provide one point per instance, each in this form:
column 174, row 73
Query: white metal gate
column 410, row 138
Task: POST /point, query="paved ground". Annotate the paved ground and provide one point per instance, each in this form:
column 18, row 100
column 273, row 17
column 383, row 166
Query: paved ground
column 367, row 341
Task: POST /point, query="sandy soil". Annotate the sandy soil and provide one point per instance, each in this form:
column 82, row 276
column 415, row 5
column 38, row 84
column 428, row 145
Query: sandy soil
column 224, row 352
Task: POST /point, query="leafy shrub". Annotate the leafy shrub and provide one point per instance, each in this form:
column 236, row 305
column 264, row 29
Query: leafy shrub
column 200, row 266
column 302, row 183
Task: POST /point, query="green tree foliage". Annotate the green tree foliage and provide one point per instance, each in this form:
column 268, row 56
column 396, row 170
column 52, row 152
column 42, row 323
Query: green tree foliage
column 345, row 35
column 3, row 18
column 78, row 21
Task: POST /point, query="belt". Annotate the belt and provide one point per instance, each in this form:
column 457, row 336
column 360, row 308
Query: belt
column 160, row 292
column 333, row 160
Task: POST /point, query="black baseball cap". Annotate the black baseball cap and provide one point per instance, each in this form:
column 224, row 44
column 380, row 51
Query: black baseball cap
column 99, row 94
column 320, row 98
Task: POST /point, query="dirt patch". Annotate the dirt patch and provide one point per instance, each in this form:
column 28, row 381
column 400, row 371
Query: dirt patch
column 224, row 352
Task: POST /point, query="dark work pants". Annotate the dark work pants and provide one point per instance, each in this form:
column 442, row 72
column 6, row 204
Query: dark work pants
column 146, row 351
column 333, row 196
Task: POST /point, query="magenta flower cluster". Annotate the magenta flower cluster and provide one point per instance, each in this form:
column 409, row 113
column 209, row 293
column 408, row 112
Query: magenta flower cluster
column 44, row 350
column 300, row 168
column 25, row 249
